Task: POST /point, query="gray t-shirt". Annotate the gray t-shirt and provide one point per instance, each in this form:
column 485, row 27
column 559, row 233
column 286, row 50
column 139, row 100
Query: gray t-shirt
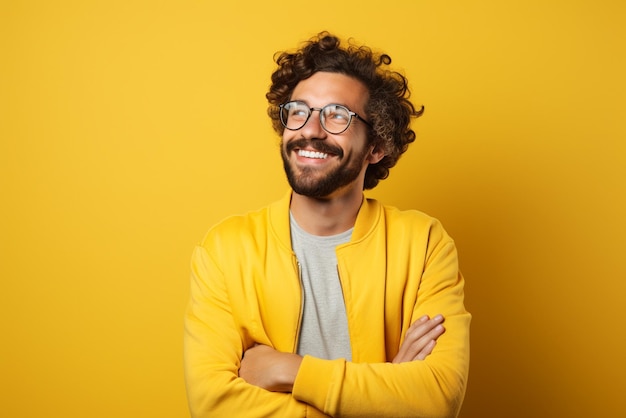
column 324, row 329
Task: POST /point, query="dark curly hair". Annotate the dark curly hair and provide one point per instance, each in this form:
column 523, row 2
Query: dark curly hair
column 388, row 110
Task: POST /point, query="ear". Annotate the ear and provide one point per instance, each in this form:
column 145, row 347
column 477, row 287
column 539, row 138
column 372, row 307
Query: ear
column 376, row 154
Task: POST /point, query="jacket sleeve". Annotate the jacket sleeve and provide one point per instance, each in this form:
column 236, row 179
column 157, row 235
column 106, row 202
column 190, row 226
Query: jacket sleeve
column 213, row 347
column 434, row 387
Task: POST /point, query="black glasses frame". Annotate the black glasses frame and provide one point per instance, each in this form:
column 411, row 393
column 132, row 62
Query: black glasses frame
column 322, row 117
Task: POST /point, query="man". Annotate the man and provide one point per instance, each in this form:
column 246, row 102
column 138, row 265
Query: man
column 326, row 303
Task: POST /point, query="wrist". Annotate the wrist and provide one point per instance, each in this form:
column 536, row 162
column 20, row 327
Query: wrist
column 289, row 368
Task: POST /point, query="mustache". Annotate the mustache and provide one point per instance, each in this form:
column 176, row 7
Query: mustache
column 320, row 146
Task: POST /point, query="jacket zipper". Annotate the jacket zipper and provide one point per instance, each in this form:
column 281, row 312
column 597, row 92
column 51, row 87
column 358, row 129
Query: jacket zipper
column 300, row 314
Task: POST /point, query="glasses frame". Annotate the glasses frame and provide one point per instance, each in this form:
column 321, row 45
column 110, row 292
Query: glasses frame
column 322, row 117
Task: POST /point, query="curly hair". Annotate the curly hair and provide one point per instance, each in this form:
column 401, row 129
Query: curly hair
column 388, row 110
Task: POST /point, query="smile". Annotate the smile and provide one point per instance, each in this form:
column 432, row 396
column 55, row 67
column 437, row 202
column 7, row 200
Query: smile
column 312, row 154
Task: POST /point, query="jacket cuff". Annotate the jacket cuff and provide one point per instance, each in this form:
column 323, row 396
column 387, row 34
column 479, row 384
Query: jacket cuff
column 315, row 382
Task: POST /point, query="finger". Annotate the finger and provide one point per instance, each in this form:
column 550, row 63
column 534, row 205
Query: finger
column 426, row 351
column 420, row 337
column 422, row 326
column 418, row 345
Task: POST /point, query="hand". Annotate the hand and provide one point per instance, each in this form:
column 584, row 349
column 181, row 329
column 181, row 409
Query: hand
column 420, row 339
column 269, row 369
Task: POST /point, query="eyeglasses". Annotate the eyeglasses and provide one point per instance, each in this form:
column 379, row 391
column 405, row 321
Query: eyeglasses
column 334, row 118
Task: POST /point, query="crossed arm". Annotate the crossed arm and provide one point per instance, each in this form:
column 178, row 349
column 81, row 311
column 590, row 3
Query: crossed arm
column 226, row 376
column 275, row 371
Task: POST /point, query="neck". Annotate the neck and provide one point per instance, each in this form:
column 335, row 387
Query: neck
column 326, row 216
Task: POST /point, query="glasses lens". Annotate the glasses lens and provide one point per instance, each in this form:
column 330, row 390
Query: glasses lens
column 335, row 118
column 294, row 115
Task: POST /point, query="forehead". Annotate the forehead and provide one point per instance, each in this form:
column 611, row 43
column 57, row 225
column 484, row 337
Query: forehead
column 323, row 88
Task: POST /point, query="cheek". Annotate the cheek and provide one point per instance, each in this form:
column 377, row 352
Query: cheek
column 288, row 135
column 357, row 148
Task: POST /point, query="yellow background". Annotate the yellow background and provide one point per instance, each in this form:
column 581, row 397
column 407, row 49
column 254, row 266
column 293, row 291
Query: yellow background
column 128, row 128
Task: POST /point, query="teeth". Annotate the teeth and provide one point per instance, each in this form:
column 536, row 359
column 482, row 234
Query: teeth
column 312, row 154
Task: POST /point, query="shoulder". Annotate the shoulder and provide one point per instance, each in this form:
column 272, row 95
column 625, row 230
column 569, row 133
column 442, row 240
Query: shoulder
column 255, row 228
column 236, row 227
column 407, row 215
column 394, row 216
column 412, row 222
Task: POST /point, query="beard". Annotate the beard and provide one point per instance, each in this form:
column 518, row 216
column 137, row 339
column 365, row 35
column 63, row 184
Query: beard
column 319, row 183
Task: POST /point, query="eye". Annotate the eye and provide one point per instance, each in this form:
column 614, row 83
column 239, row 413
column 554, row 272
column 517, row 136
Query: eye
column 336, row 113
column 298, row 110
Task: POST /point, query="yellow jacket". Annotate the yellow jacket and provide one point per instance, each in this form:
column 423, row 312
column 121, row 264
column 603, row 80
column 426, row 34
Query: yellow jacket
column 245, row 289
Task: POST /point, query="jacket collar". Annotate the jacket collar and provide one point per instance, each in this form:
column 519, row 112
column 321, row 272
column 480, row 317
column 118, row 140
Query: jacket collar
column 368, row 217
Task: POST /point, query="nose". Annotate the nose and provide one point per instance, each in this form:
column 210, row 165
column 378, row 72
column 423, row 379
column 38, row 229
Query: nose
column 312, row 129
